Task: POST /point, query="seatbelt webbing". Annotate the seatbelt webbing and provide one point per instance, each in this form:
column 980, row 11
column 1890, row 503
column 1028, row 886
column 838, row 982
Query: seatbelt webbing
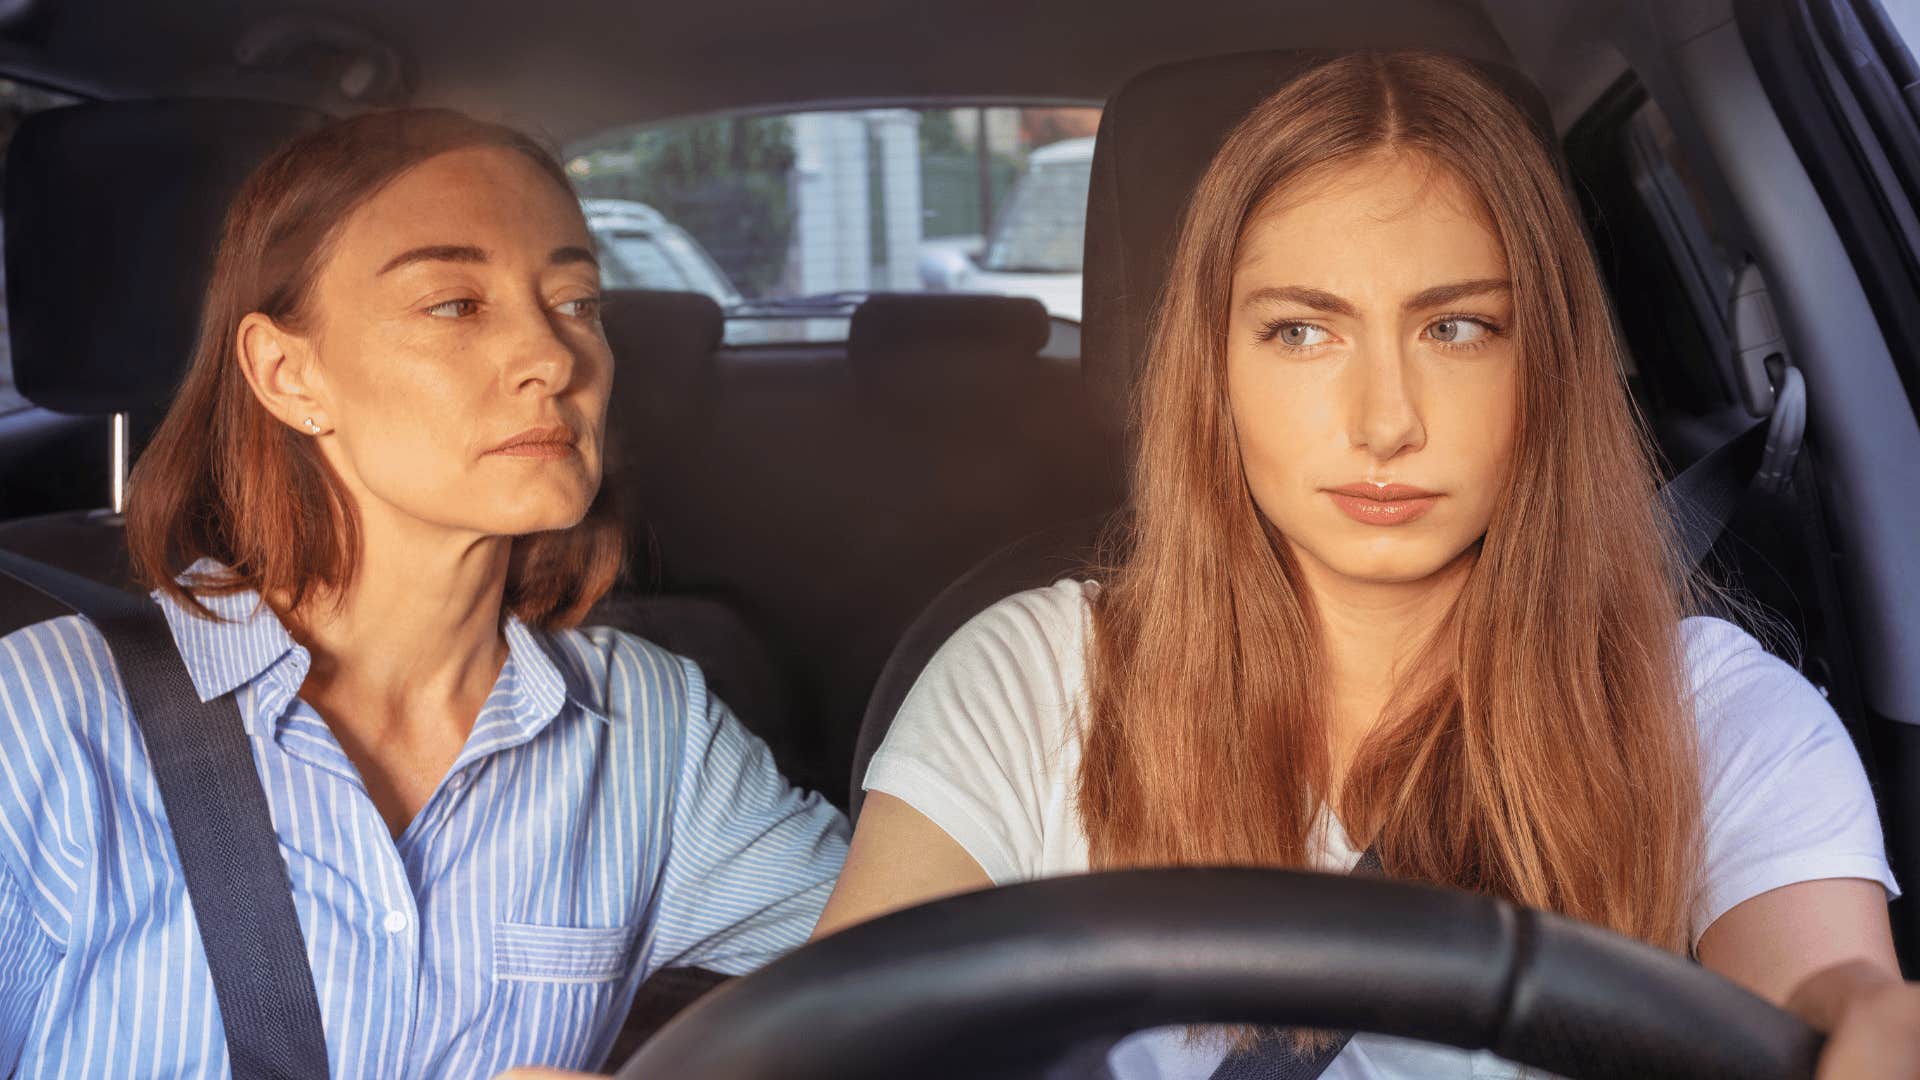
column 1275, row 1060
column 222, row 832
column 1704, row 496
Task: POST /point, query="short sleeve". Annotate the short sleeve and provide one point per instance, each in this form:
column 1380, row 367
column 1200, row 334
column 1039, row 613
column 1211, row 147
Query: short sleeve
column 1786, row 798
column 982, row 740
column 750, row 859
column 30, row 955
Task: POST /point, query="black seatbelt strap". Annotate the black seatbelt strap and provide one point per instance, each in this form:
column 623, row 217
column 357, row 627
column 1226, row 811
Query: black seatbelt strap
column 1703, row 497
column 222, row 832
column 1277, row 1059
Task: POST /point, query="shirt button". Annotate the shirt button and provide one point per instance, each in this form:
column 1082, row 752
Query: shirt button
column 457, row 781
column 396, row 921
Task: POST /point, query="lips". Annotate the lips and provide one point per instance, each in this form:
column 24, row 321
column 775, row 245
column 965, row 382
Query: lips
column 1391, row 504
column 553, row 441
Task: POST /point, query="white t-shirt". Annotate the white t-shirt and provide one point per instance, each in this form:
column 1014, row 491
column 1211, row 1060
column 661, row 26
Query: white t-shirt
column 987, row 746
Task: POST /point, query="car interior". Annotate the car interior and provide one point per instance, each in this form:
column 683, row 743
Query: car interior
column 809, row 517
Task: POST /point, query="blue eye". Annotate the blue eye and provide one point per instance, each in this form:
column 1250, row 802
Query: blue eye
column 454, row 309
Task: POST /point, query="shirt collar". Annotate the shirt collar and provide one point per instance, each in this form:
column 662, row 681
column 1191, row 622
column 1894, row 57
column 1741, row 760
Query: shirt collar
column 247, row 643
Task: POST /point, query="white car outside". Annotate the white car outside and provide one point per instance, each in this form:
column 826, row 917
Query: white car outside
column 640, row 249
column 1036, row 245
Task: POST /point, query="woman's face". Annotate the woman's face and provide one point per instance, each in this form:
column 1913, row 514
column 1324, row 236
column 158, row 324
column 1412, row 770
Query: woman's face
column 1370, row 368
column 456, row 315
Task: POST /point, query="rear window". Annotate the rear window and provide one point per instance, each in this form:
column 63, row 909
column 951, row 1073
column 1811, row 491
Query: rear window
column 788, row 219
column 16, row 101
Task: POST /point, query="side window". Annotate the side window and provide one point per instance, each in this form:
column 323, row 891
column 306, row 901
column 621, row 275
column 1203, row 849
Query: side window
column 16, row 101
column 786, row 220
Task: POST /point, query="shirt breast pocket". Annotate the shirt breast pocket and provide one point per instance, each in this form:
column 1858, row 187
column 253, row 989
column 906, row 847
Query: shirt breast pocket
column 576, row 955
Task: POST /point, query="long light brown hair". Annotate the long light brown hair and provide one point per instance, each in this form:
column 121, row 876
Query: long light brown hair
column 224, row 479
column 1546, row 753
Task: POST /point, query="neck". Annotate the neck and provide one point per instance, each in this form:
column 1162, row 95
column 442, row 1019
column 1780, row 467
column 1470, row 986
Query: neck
column 417, row 630
column 1373, row 634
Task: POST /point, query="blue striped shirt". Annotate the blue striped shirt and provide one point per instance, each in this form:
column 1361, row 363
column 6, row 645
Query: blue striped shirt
column 606, row 818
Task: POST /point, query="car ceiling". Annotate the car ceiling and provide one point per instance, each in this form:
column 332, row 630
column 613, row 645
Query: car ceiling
column 571, row 69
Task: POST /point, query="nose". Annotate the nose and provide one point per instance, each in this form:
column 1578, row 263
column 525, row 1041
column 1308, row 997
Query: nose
column 540, row 357
column 1385, row 416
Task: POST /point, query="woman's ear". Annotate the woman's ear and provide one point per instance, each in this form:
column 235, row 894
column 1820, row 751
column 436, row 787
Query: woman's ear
column 279, row 367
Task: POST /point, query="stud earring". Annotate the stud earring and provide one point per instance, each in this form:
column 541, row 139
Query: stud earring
column 312, row 428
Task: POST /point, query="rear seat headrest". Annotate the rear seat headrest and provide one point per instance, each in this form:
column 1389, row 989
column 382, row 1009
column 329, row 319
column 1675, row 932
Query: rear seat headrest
column 663, row 342
column 910, row 343
column 113, row 210
column 1157, row 135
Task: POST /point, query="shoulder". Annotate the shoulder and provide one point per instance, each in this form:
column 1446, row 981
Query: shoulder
column 1039, row 635
column 63, row 730
column 986, row 741
column 1784, row 796
column 628, row 677
column 1741, row 692
column 58, row 685
column 62, row 659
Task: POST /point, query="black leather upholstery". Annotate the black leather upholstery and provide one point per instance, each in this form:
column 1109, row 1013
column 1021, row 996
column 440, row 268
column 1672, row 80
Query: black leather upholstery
column 112, row 213
column 1156, row 137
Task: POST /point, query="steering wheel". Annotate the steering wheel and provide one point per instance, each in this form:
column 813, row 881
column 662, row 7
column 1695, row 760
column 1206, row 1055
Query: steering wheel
column 1004, row 982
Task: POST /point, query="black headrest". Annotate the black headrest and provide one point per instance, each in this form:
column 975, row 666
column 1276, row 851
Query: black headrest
column 662, row 341
column 938, row 342
column 113, row 210
column 1157, row 136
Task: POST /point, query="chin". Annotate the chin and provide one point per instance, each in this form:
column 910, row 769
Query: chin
column 529, row 516
column 1386, row 562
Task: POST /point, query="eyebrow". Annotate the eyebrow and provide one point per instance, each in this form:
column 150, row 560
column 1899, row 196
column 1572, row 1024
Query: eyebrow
column 463, row 254
column 1321, row 300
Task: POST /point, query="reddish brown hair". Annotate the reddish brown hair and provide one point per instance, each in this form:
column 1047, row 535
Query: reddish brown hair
column 224, row 479
column 1544, row 753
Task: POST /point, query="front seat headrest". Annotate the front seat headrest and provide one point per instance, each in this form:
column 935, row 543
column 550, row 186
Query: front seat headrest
column 1156, row 138
column 929, row 344
column 113, row 211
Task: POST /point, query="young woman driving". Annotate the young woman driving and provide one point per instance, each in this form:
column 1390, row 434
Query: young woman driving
column 380, row 477
column 1397, row 577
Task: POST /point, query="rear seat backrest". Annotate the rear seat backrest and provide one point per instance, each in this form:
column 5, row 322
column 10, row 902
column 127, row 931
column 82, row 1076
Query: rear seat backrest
column 973, row 442
column 663, row 352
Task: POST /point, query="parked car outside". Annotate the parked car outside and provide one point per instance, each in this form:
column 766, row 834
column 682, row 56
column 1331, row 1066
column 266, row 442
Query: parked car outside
column 1035, row 247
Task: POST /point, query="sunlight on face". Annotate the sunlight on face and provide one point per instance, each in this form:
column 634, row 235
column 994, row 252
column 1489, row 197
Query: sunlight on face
column 458, row 310
column 1370, row 368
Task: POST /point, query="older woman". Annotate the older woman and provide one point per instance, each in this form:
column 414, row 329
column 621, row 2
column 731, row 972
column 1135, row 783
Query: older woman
column 370, row 516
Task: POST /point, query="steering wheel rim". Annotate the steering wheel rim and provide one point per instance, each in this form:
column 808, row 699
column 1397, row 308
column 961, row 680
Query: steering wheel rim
column 999, row 982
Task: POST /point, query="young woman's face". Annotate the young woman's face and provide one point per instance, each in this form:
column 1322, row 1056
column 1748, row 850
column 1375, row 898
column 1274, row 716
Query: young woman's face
column 458, row 313
column 1370, row 368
